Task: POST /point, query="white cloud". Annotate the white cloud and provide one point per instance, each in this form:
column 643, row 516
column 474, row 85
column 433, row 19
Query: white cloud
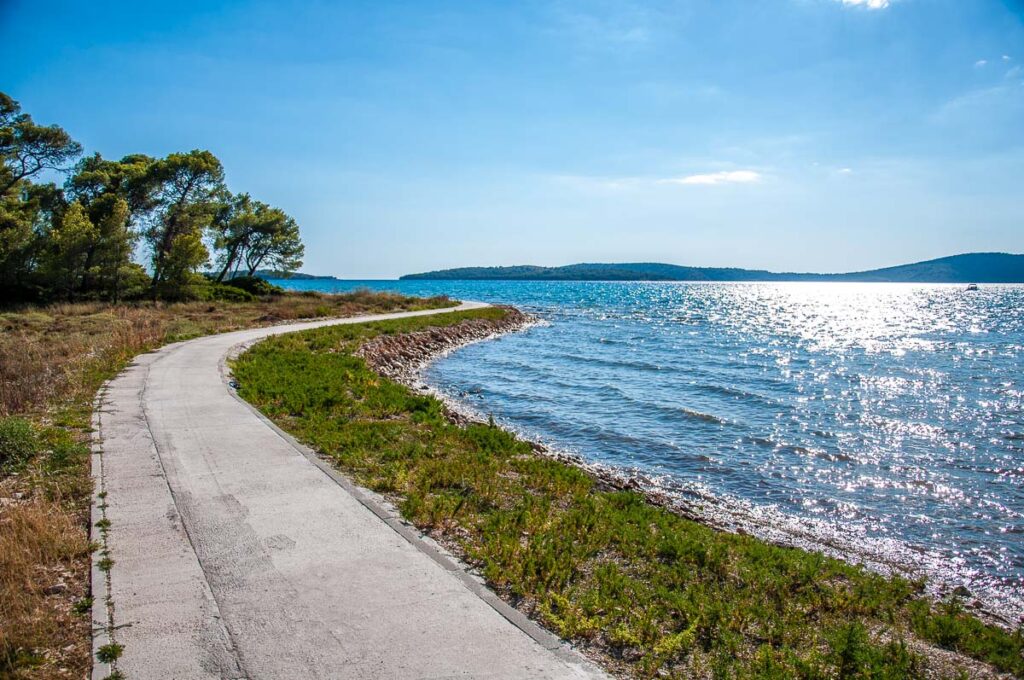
column 605, row 184
column 980, row 63
column 723, row 177
column 870, row 4
column 1006, row 57
column 845, row 171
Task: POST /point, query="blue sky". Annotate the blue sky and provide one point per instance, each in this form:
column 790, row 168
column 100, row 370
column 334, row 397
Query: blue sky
column 404, row 136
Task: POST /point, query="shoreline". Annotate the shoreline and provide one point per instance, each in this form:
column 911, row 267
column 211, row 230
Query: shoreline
column 405, row 358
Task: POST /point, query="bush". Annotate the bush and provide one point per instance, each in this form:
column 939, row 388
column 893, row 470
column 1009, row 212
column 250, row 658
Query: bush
column 220, row 291
column 18, row 443
column 231, row 294
column 135, row 282
column 254, row 285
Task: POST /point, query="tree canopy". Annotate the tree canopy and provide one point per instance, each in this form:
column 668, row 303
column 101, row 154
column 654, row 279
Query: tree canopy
column 27, row 148
column 121, row 229
column 252, row 234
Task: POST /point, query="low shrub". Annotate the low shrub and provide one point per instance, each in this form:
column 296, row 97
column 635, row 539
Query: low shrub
column 225, row 292
column 254, row 285
column 18, row 443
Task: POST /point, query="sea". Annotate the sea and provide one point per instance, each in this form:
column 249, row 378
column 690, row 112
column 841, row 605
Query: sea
column 880, row 423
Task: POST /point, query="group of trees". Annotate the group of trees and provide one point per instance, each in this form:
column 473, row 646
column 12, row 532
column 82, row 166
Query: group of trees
column 166, row 228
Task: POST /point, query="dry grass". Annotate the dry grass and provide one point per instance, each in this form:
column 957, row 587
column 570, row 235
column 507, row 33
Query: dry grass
column 41, row 553
column 52, row 361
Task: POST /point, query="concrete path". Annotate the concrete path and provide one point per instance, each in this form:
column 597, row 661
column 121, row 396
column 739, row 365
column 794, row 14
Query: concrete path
column 238, row 554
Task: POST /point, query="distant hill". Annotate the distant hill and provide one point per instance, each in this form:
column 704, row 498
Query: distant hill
column 966, row 268
column 271, row 274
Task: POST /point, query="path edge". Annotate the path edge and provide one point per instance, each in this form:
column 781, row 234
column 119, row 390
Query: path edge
column 100, row 614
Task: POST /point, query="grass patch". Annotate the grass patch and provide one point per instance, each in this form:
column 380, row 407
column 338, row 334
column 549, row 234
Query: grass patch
column 52, row 361
column 654, row 593
column 109, row 653
column 18, row 443
column 83, row 607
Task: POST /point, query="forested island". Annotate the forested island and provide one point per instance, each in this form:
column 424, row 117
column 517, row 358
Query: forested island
column 965, row 268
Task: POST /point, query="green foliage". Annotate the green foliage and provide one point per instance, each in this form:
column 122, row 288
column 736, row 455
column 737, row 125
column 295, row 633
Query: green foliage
column 189, row 186
column 17, row 239
column 109, row 653
column 651, row 589
column 18, row 443
column 26, row 149
column 250, row 233
column 179, row 263
column 130, row 178
column 72, row 239
column 83, row 607
column 254, row 285
column 78, row 242
column 949, row 626
column 221, row 291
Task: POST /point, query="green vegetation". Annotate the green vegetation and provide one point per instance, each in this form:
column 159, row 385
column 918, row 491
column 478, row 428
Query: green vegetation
column 83, row 607
column 18, row 442
column 77, row 242
column 109, row 653
column 651, row 591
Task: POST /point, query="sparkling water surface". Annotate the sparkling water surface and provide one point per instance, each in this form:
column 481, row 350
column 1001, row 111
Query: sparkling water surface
column 879, row 421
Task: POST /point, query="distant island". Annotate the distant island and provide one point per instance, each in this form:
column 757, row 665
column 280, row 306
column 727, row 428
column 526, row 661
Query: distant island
column 965, row 268
column 272, row 274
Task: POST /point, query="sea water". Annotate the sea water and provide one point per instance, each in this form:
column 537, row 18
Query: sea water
column 880, row 422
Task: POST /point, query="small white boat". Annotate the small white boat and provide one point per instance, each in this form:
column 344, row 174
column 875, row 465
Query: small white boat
column 972, row 286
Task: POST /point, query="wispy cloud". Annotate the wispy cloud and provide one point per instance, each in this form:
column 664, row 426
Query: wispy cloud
column 591, row 182
column 711, row 178
column 621, row 26
column 980, row 63
column 870, row 4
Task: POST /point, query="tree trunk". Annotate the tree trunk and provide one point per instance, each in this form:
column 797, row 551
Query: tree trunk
column 232, row 254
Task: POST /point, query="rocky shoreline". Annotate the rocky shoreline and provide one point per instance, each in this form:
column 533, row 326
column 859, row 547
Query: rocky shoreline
column 403, row 357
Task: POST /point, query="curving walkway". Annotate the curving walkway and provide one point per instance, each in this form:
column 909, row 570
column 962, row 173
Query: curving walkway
column 238, row 554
